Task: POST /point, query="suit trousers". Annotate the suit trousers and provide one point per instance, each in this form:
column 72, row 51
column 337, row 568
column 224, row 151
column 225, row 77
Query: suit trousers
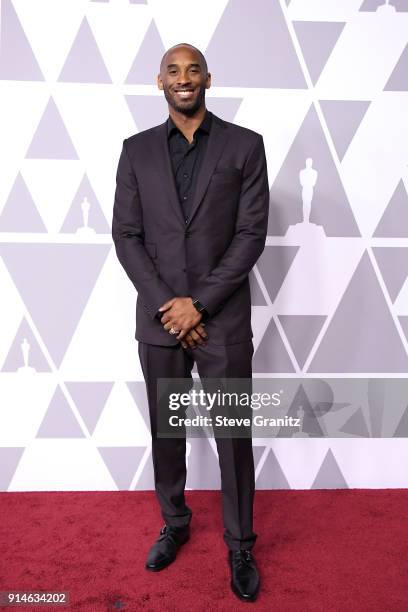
column 235, row 454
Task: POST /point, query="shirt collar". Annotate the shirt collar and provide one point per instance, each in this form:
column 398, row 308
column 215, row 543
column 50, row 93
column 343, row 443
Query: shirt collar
column 205, row 125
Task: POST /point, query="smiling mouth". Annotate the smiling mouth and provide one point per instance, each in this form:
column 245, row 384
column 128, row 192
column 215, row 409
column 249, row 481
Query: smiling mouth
column 184, row 93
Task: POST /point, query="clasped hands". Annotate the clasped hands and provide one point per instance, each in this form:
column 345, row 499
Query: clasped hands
column 180, row 313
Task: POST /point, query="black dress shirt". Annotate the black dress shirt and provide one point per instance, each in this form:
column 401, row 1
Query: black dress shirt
column 186, row 159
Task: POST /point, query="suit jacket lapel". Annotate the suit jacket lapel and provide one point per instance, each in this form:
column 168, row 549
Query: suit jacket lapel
column 216, row 142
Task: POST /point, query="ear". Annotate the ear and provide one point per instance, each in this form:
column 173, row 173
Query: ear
column 159, row 82
column 208, row 81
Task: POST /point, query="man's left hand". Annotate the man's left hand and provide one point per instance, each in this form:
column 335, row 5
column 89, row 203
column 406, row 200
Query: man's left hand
column 180, row 313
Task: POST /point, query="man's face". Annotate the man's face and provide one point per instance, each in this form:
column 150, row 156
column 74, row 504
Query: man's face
column 183, row 80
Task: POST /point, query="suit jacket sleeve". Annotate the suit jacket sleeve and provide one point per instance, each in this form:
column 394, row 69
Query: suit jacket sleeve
column 250, row 234
column 128, row 236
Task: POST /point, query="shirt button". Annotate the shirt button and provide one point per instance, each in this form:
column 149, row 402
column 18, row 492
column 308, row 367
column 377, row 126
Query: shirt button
column 185, row 197
column 185, row 175
column 186, row 220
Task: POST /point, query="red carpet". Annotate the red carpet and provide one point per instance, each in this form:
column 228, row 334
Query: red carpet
column 342, row 550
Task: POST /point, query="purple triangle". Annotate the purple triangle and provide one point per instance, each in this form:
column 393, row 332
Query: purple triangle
column 394, row 221
column 273, row 275
column 84, row 63
column 51, row 139
column 330, row 206
column 401, row 430
column 74, row 219
column 393, row 264
column 138, row 392
column 376, row 404
column 257, row 297
column 302, row 331
column 310, row 424
column 9, row 460
column 271, row 354
column 317, row 40
column 372, row 5
column 145, row 67
column 403, row 319
column 356, row 425
column 362, row 336
column 267, row 37
column 329, row 475
column 90, row 399
column 146, row 479
column 271, row 475
column 20, row 213
column 59, row 420
column 258, row 452
column 122, row 463
column 55, row 282
column 17, row 60
column 398, row 80
column 25, row 347
column 343, row 118
column 203, row 471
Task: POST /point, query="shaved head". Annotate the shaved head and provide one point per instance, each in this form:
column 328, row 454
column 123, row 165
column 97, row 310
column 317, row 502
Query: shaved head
column 174, row 47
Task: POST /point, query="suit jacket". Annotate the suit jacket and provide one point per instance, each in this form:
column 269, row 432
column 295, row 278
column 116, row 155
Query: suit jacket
column 208, row 257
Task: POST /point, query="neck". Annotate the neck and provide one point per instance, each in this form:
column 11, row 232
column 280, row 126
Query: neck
column 187, row 123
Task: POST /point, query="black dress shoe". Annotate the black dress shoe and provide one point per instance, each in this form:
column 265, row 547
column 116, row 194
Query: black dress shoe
column 164, row 550
column 244, row 574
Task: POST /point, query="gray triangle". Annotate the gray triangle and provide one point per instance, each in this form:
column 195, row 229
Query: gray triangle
column 59, row 420
column 139, row 394
column 373, row 5
column 9, row 460
column 274, row 265
column 74, row 220
column 271, row 354
column 376, row 404
column 17, row 60
column 25, row 343
column 146, row 479
column 330, row 205
column 401, row 430
column 203, row 470
column 90, row 399
column 394, row 221
column 20, row 213
column 393, row 264
column 257, row 452
column 329, row 475
column 356, row 425
column 257, row 297
column 343, row 118
column 51, row 139
column 145, row 68
column 302, row 331
column 317, row 40
column 398, row 80
column 267, row 37
column 271, row 475
column 310, row 426
column 362, row 336
column 122, row 463
column 403, row 319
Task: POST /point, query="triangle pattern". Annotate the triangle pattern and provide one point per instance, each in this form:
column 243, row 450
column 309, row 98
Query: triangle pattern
column 356, row 425
column 271, row 354
column 59, row 420
column 393, row 263
column 394, row 221
column 330, row 205
column 257, row 297
column 271, row 475
column 77, row 69
column 362, row 336
column 317, row 40
column 329, row 476
column 20, row 213
column 376, row 404
column 267, row 37
column 401, row 430
column 9, row 460
column 17, row 60
column 61, row 276
column 343, row 118
column 398, row 80
column 85, row 203
column 203, row 470
column 144, row 67
column 25, row 352
column 139, row 394
column 146, row 479
column 373, row 5
column 309, row 425
column 122, row 463
column 90, row 399
column 302, row 331
column 51, row 139
column 274, row 276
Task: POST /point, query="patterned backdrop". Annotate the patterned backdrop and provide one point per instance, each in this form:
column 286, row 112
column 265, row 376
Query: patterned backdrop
column 325, row 82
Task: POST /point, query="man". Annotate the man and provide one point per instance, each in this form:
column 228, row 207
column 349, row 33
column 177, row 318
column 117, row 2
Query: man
column 189, row 222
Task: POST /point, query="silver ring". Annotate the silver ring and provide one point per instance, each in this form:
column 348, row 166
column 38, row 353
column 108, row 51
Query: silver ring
column 172, row 330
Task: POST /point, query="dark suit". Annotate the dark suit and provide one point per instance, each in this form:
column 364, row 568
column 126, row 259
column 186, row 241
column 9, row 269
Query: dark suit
column 209, row 258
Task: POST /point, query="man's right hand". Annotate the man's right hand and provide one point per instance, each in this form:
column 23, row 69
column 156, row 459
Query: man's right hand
column 196, row 336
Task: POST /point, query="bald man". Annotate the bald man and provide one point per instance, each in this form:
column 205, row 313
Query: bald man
column 189, row 222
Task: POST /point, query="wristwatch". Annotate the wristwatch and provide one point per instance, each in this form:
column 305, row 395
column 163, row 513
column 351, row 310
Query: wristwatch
column 198, row 306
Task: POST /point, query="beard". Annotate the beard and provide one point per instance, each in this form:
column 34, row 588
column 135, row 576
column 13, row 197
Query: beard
column 187, row 108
